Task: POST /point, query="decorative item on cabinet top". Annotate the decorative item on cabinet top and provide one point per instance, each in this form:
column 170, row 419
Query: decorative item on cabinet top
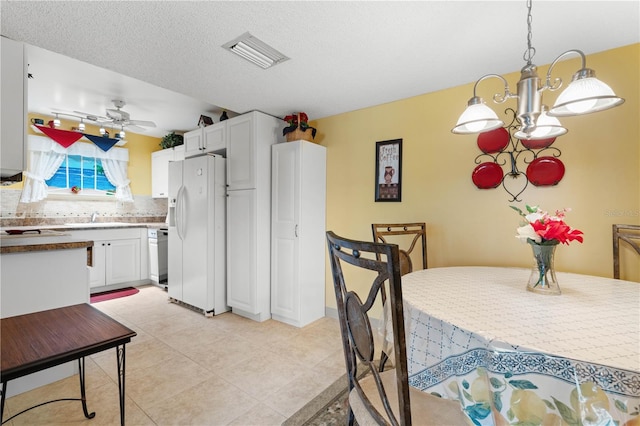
column 171, row 140
column 205, row 121
column 298, row 128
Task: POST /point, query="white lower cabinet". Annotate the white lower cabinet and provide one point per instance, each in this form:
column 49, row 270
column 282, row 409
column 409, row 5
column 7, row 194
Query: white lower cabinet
column 248, row 279
column 120, row 257
column 298, row 232
column 115, row 262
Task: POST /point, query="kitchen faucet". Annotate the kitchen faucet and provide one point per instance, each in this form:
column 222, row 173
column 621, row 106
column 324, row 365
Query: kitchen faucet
column 93, row 217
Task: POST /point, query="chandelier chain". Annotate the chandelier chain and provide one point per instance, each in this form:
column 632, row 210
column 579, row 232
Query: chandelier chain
column 531, row 51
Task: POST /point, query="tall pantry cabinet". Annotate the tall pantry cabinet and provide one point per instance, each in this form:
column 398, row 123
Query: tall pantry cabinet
column 298, row 232
column 249, row 140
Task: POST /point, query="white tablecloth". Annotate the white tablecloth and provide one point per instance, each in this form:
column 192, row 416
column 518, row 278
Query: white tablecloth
column 475, row 334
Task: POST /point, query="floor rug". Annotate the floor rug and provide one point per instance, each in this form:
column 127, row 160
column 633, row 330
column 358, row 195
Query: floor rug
column 328, row 408
column 113, row 294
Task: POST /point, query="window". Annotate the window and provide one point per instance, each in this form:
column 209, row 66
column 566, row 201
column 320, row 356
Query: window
column 55, row 170
column 81, row 172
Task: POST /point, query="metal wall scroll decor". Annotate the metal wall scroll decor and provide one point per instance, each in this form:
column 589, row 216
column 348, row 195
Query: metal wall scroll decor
column 505, row 157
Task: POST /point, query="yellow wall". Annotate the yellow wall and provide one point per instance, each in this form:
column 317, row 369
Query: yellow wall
column 140, row 148
column 468, row 226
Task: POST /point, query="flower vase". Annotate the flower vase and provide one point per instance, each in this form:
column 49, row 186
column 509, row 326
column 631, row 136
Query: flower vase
column 543, row 275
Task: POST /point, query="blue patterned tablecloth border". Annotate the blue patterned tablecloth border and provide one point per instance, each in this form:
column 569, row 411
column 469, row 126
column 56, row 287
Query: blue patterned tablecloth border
column 613, row 380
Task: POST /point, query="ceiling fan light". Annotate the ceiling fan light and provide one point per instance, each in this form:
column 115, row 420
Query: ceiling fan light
column 122, row 134
column 56, row 121
column 477, row 118
column 102, row 130
column 81, row 126
column 583, row 96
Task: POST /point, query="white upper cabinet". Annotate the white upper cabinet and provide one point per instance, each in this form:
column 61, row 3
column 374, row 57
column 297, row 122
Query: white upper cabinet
column 13, row 130
column 249, row 141
column 210, row 139
column 160, row 169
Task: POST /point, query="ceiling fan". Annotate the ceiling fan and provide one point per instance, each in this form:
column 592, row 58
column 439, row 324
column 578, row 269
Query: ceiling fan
column 118, row 118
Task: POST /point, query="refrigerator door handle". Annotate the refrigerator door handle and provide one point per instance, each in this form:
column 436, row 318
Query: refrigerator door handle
column 179, row 216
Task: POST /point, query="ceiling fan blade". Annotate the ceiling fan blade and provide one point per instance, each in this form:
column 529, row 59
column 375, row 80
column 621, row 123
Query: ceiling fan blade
column 91, row 117
column 143, row 123
column 116, row 114
column 134, row 128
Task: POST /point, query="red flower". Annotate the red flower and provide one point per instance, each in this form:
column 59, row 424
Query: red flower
column 293, row 121
column 546, row 228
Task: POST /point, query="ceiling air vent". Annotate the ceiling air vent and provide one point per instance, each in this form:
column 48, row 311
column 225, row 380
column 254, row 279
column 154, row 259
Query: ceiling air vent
column 255, row 51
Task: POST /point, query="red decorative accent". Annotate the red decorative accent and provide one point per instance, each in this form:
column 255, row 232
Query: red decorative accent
column 493, row 141
column 537, row 144
column 113, row 294
column 545, row 171
column 65, row 138
column 487, row 175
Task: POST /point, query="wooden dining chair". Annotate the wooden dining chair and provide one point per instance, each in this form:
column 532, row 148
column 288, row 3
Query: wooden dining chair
column 629, row 234
column 398, row 233
column 379, row 398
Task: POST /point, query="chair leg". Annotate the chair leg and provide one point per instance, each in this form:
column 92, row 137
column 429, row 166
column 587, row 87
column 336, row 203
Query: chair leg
column 383, row 361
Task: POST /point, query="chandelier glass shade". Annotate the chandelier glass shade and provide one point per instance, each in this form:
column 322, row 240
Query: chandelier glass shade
column 585, row 94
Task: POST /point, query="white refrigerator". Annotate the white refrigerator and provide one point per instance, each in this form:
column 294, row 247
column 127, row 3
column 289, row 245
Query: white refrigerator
column 197, row 233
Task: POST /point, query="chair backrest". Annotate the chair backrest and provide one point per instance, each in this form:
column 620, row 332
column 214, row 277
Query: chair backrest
column 629, row 234
column 398, row 233
column 357, row 335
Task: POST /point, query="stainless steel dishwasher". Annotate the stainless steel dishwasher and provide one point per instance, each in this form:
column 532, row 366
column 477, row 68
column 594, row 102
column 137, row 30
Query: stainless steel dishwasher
column 158, row 256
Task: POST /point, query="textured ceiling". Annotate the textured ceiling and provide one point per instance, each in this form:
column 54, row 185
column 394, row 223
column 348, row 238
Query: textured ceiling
column 165, row 60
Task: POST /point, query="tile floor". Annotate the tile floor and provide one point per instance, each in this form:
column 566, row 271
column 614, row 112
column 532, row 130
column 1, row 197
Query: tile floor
column 186, row 369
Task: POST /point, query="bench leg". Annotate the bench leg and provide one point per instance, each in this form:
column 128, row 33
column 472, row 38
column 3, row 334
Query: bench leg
column 4, row 393
column 83, row 393
column 121, row 369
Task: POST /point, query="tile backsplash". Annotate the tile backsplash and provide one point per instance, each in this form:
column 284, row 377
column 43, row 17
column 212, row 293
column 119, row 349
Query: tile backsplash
column 54, row 212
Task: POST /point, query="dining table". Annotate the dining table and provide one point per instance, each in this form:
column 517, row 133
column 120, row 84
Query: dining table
column 511, row 356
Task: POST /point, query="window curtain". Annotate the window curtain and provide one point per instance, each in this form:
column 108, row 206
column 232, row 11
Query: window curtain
column 116, row 172
column 46, row 156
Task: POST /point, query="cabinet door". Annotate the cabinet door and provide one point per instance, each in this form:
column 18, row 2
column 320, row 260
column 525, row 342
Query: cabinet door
column 215, row 138
column 14, row 107
column 97, row 270
column 241, row 250
column 178, row 153
column 285, row 212
column 241, row 153
column 122, row 261
column 193, row 143
column 160, row 172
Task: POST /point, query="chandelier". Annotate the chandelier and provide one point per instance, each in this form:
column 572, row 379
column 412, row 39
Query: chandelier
column 585, row 94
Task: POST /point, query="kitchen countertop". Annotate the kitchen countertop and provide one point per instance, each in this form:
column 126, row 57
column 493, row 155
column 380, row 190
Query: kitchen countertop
column 46, row 240
column 87, row 225
column 55, row 237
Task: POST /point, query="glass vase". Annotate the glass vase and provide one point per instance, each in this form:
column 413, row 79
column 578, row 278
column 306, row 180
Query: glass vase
column 543, row 274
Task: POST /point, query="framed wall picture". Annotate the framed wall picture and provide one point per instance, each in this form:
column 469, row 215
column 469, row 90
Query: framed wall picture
column 389, row 170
